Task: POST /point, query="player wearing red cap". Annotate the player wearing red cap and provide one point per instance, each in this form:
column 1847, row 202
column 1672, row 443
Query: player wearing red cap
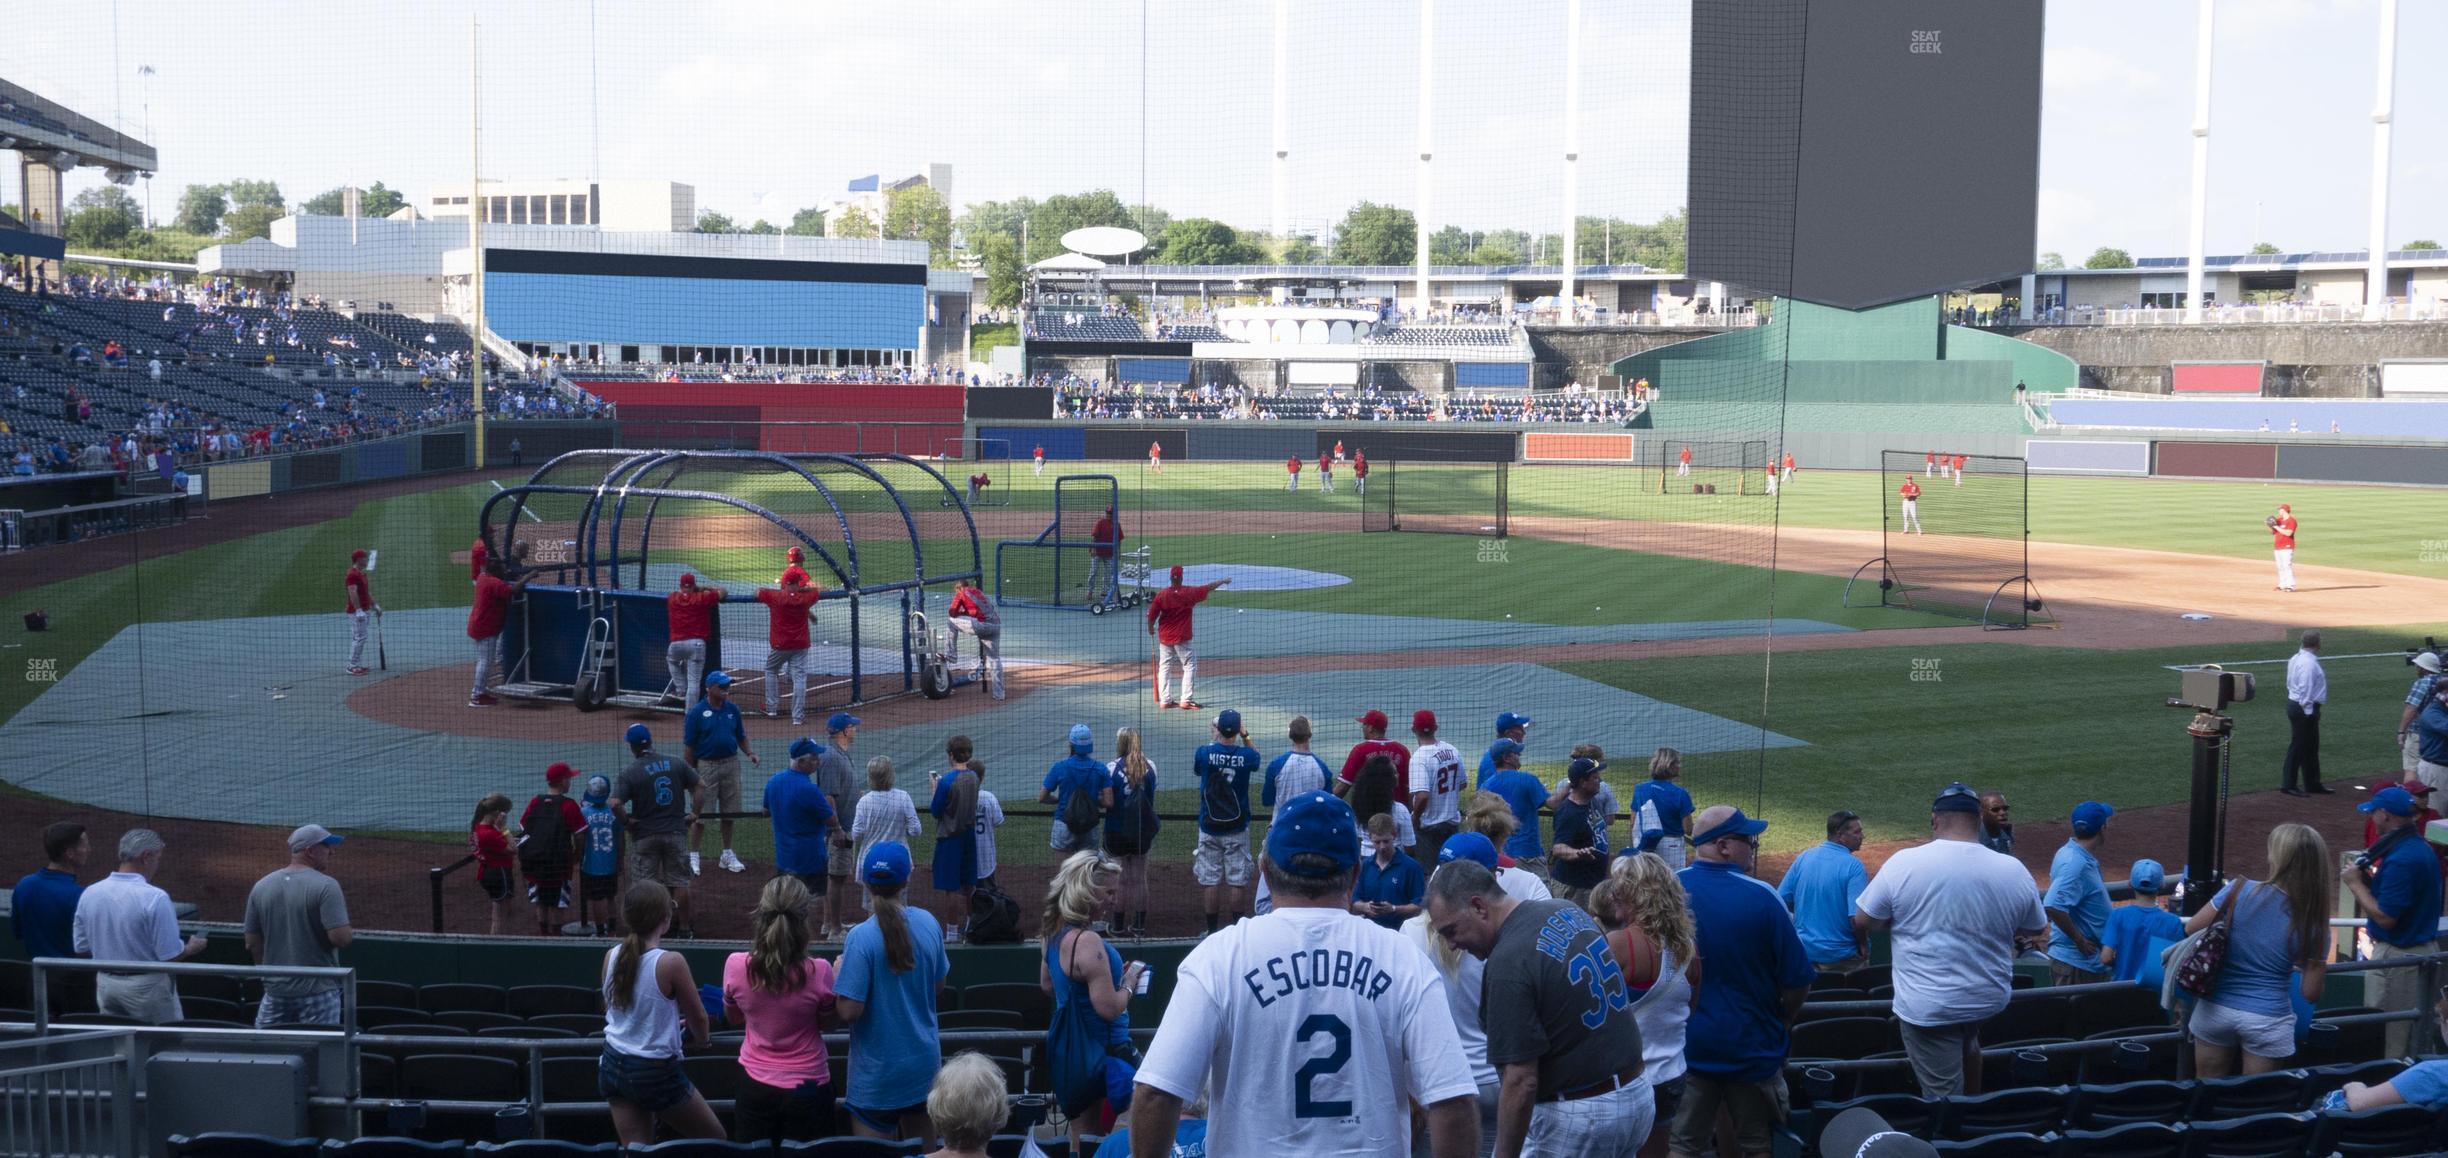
column 1373, row 742
column 1326, row 474
column 361, row 608
column 1960, row 462
column 1156, row 457
column 1168, row 619
column 2282, row 545
column 1040, row 457
column 1437, row 785
column 1683, row 463
column 977, row 483
column 488, row 613
column 690, row 613
column 788, row 613
column 1360, row 471
column 973, row 614
column 1789, row 467
column 1103, row 540
column 1910, row 493
column 1292, row 467
column 1929, row 464
column 792, row 570
column 1338, row 455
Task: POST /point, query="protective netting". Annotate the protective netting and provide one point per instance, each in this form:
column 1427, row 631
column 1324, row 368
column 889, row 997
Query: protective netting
column 1957, row 533
column 1435, row 498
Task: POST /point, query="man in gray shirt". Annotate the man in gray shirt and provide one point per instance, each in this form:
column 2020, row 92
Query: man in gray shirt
column 660, row 796
column 296, row 916
column 834, row 777
column 1558, row 1018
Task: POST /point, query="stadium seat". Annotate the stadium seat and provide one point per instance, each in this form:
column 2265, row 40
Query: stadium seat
column 97, row 1019
column 582, row 1024
column 194, row 985
column 417, row 1029
column 853, row 1148
column 2130, row 1008
column 1999, row 1146
column 2251, row 1095
column 370, row 1015
column 390, row 1148
column 703, row 1148
column 1908, row 1113
column 2380, row 1133
column 235, row 1145
column 1006, row 1145
column 457, row 995
column 1015, row 1070
column 377, row 1074
column 2143, row 1060
column 1870, row 977
column 1838, row 993
column 200, row 1023
column 1034, row 1005
column 1827, row 981
column 715, row 1075
column 532, row 1001
column 386, row 993
column 475, row 1020
column 2026, row 1018
column 545, row 1148
column 2131, row 1140
column 570, row 1079
column 2014, row 1070
column 2037, row 1110
column 2319, row 1080
column 526, row 1031
column 2360, row 1042
column 214, row 1008
column 977, row 1019
column 947, row 998
column 16, row 984
column 2104, row 1107
column 461, row 1077
column 1843, row 1038
column 2265, row 1136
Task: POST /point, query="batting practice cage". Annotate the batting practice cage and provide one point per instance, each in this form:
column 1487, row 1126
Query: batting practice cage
column 985, row 471
column 1436, row 498
column 608, row 535
column 1066, row 566
column 1954, row 540
column 1685, row 466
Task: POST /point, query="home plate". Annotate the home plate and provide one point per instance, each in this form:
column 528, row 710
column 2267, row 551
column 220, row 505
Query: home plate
column 1257, row 577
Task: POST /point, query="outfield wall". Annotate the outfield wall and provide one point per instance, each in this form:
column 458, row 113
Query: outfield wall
column 437, row 451
column 2390, row 463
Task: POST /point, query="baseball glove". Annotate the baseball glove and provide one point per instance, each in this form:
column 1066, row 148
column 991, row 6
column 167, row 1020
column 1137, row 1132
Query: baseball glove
column 2271, row 522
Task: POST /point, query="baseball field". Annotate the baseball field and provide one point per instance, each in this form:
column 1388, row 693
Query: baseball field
column 196, row 675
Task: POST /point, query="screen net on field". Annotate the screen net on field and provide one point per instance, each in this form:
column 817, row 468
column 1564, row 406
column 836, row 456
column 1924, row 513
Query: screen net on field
column 1507, row 325
column 1956, row 534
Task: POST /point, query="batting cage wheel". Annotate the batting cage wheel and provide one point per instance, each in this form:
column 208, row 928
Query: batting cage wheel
column 935, row 663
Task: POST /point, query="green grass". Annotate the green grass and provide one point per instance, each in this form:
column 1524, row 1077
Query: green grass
column 2051, row 727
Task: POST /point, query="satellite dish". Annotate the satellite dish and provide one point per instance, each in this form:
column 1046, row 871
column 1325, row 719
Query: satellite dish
column 1105, row 241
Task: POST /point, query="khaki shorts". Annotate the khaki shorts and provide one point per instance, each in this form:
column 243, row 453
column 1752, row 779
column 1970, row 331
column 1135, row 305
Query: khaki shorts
column 1223, row 860
column 838, row 858
column 659, row 858
column 721, row 777
column 1757, row 1109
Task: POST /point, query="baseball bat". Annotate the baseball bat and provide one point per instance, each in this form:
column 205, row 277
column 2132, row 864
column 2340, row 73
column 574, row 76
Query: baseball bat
column 382, row 651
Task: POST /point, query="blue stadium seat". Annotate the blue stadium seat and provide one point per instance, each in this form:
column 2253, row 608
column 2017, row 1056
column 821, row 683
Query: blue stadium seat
column 391, row 1148
column 2380, row 1133
column 2038, row 1110
column 2104, row 1107
column 2131, row 1140
column 853, row 1148
column 235, row 1145
column 2250, row 1095
column 2265, row 1136
column 703, row 1148
column 1999, row 1146
column 544, row 1148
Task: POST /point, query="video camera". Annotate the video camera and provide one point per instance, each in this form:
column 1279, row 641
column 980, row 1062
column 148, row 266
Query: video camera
column 2210, row 688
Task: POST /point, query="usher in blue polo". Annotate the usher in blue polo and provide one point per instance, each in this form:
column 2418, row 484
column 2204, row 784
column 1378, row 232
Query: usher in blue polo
column 1737, row 1031
column 2408, row 887
column 713, row 732
column 1821, row 887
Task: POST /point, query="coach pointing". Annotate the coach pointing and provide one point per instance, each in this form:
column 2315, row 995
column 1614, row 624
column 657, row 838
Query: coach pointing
column 1168, row 619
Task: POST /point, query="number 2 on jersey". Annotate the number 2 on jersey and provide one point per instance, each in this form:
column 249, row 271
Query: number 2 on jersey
column 1339, row 1034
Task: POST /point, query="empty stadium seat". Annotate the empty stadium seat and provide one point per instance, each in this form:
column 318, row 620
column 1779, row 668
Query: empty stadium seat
column 1908, row 1113
column 418, row 1029
column 214, row 1008
column 569, row 1079
column 2250, row 1095
column 703, row 1148
column 386, row 1147
column 526, row 1031
column 377, row 1074
column 220, row 1144
column 2102, row 1107
column 2131, row 1060
column 853, row 1148
column 2027, row 1018
column 1035, row 1007
column 2130, row 1008
column 371, row 1015
column 2380, row 1133
column 717, row 1076
column 459, row 995
column 582, row 1024
column 977, row 1019
column 477, row 1020
column 532, row 1001
column 1843, row 1038
column 2131, row 1140
column 1999, row 1146
column 2363, row 1041
column 208, row 985
column 545, row 1148
column 2264, row 1136
column 2037, row 1110
column 461, row 1077
column 392, row 993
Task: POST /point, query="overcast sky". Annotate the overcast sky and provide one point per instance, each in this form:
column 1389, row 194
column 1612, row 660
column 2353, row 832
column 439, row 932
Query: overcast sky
column 766, row 106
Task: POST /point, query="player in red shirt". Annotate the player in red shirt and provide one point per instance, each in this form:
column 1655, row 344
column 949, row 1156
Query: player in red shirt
column 1683, row 463
column 1789, row 466
column 1326, row 474
column 1040, row 459
column 788, row 612
column 1929, row 465
column 487, row 615
column 1338, row 450
column 1960, row 462
column 792, row 570
column 1156, row 457
column 1772, row 477
column 1360, row 472
column 1292, row 467
column 2282, row 545
column 1168, row 619
column 1103, row 539
column 1911, row 494
column 361, row 608
column 1373, row 741
column 974, row 615
column 477, row 555
column 690, row 613
column 977, row 484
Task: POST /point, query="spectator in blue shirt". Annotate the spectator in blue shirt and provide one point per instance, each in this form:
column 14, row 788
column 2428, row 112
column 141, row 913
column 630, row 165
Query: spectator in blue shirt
column 892, row 967
column 1510, row 726
column 802, row 817
column 2077, row 900
column 2423, row 1084
column 1222, row 863
column 1758, row 973
column 2139, row 932
column 1072, row 774
column 1391, row 885
column 712, row 741
column 1524, row 795
column 2277, row 945
column 2418, row 697
column 42, row 912
column 1819, row 889
column 1662, row 812
column 2400, row 895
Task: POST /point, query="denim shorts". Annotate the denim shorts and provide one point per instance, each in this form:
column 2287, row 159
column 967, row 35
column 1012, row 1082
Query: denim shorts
column 652, row 1084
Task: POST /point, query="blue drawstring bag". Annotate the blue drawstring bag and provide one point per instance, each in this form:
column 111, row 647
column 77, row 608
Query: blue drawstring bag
column 712, row 996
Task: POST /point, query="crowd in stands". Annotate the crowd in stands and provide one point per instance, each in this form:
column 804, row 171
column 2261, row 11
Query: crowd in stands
column 1084, row 398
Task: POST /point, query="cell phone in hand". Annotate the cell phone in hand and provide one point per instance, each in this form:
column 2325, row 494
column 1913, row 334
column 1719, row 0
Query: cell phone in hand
column 1142, row 987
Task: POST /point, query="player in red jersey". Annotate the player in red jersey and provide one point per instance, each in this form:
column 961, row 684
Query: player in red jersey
column 477, row 556
column 1771, row 473
column 1326, row 474
column 1911, row 494
column 1292, row 467
column 1156, row 457
column 1168, row 619
column 1683, row 463
column 2282, row 545
column 973, row 614
column 788, row 613
column 977, row 485
column 1373, row 742
column 1360, row 472
column 690, row 613
column 1338, row 450
column 1929, row 465
column 361, row 609
column 1960, row 462
column 1104, row 540
column 488, row 613
column 1789, row 467
column 1040, row 458
column 791, row 569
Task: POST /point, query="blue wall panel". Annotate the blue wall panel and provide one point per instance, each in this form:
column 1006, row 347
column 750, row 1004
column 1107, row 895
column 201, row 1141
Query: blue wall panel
column 1152, row 369
column 540, row 307
column 382, row 459
column 1491, row 373
column 1252, row 442
column 1068, row 442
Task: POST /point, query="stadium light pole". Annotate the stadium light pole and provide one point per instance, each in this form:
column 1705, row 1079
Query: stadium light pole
column 2384, row 103
column 1572, row 152
column 476, row 208
column 1283, row 137
column 1427, row 78
column 2195, row 234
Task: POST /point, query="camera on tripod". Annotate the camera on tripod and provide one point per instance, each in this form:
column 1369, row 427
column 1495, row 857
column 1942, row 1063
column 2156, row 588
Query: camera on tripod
column 2429, row 644
column 2210, row 689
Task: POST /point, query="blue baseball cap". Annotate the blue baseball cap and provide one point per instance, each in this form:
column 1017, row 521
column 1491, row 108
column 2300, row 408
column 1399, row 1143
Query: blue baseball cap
column 1316, row 824
column 1228, row 722
column 2392, row 800
column 638, row 734
column 1957, row 797
column 718, row 678
column 2089, row 817
column 888, row 863
column 841, row 722
column 804, row 747
column 1507, row 721
column 2148, row 877
column 1082, row 737
column 1468, row 846
column 1503, row 748
column 1734, row 825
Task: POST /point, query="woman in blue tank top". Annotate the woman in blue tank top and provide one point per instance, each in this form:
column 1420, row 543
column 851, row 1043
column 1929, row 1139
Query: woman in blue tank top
column 1090, row 985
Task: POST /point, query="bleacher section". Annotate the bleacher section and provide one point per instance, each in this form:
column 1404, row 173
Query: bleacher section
column 2393, row 418
column 1936, row 420
column 1084, row 326
column 1192, row 332
column 1488, row 337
